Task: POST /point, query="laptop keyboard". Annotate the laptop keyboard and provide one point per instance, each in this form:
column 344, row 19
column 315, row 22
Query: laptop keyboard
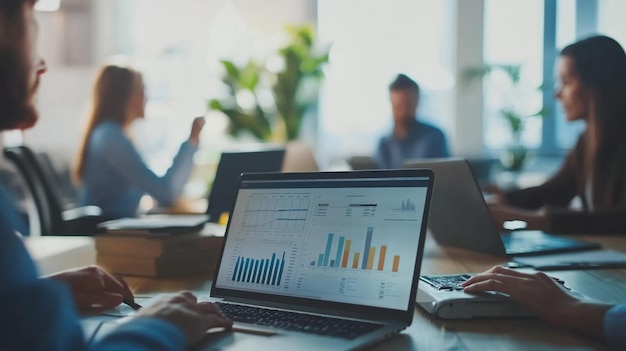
column 327, row 326
column 446, row 282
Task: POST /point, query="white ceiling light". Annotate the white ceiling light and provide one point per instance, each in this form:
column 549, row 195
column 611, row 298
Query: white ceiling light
column 47, row 5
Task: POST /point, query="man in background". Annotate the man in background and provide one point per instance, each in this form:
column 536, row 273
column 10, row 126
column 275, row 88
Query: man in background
column 410, row 138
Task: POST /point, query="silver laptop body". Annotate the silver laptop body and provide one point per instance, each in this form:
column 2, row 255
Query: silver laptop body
column 343, row 248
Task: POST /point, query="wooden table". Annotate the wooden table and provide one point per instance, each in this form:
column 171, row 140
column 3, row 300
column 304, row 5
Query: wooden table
column 427, row 333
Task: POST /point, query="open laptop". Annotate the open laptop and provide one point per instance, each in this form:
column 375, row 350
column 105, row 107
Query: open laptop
column 459, row 217
column 326, row 260
column 230, row 167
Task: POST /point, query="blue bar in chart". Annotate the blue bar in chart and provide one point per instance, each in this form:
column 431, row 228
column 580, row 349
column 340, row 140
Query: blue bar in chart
column 339, row 252
column 368, row 244
column 408, row 205
column 329, row 243
column 282, row 266
column 259, row 271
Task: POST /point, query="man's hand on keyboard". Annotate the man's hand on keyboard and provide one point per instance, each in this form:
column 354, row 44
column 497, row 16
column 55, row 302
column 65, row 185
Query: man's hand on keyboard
column 185, row 312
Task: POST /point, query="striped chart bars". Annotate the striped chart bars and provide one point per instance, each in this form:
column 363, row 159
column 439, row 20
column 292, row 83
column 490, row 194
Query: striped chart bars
column 362, row 260
column 268, row 271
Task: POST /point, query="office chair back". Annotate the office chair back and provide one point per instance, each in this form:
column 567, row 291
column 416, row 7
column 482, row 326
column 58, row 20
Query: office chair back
column 24, row 160
column 54, row 219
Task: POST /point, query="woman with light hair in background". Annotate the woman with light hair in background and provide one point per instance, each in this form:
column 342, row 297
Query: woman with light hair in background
column 112, row 174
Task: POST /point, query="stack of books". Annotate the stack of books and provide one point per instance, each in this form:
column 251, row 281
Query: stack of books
column 158, row 255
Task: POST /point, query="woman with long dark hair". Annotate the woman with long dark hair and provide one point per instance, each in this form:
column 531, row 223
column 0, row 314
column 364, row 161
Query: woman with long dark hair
column 112, row 173
column 592, row 87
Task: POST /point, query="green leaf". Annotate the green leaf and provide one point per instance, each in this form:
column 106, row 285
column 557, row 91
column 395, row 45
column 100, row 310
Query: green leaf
column 515, row 120
column 215, row 105
column 231, row 70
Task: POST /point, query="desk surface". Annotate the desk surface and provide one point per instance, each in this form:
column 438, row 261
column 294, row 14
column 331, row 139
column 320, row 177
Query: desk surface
column 427, row 333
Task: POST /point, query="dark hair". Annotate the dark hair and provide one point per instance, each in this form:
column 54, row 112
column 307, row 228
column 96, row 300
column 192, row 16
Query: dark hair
column 16, row 108
column 111, row 96
column 403, row 82
column 600, row 63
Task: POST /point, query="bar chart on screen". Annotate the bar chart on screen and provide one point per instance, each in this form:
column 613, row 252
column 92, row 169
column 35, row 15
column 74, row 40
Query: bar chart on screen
column 347, row 252
column 263, row 264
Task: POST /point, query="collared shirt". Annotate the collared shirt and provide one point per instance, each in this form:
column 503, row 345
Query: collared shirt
column 116, row 177
column 422, row 141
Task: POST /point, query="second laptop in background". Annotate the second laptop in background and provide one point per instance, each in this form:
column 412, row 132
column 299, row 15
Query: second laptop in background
column 230, row 167
column 460, row 217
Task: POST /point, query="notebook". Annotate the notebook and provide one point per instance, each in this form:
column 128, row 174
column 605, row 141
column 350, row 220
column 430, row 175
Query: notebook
column 326, row 260
column 230, row 167
column 459, row 217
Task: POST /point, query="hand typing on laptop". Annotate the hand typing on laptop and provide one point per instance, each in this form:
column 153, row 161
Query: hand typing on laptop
column 184, row 311
column 545, row 296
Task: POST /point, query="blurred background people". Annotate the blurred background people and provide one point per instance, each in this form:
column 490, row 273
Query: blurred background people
column 112, row 173
column 410, row 138
column 592, row 88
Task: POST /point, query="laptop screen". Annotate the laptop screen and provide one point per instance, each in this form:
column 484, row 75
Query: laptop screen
column 345, row 240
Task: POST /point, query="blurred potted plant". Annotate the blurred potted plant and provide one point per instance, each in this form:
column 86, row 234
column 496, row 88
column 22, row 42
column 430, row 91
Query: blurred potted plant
column 294, row 89
column 515, row 155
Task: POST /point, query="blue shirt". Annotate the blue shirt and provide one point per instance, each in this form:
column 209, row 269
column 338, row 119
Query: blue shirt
column 115, row 177
column 38, row 314
column 422, row 141
column 615, row 326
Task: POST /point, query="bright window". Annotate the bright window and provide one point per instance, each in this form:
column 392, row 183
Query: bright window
column 513, row 35
column 566, row 132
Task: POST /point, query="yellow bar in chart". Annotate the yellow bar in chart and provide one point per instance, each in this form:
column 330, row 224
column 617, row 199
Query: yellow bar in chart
column 355, row 263
column 381, row 259
column 346, row 253
column 396, row 263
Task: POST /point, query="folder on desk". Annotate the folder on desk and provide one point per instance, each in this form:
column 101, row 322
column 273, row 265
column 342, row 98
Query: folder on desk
column 576, row 260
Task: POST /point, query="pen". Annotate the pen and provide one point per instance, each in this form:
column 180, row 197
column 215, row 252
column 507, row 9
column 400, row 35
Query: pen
column 135, row 306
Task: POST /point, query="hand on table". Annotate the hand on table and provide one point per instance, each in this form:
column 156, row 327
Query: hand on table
column 185, row 312
column 92, row 287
